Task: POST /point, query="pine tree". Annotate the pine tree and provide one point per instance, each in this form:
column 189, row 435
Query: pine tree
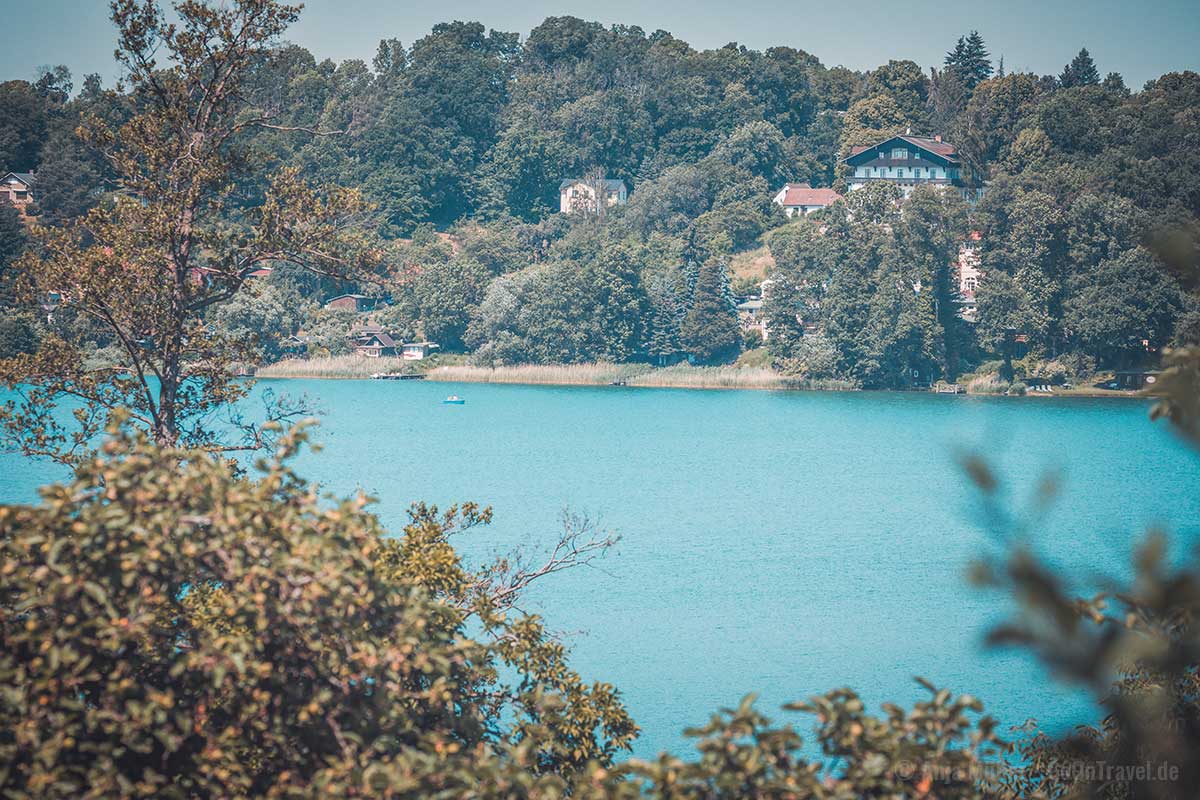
column 665, row 317
column 1080, row 72
column 710, row 330
column 970, row 60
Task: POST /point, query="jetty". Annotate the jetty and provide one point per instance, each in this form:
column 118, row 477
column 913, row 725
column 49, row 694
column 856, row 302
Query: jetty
column 949, row 388
column 397, row 376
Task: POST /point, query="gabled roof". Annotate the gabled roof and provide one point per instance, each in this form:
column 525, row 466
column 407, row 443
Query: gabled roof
column 801, row 194
column 942, row 150
column 384, row 340
column 26, row 178
column 611, row 183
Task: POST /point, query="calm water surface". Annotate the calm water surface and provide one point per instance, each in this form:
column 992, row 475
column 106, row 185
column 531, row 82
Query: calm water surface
column 783, row 543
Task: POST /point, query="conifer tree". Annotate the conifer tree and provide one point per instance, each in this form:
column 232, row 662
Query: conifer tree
column 663, row 340
column 710, row 330
column 970, row 60
column 1080, row 72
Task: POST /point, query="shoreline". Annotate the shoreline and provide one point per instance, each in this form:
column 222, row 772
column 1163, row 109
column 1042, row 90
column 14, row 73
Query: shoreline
column 619, row 375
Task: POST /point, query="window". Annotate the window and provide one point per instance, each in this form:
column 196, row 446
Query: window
column 971, row 283
column 899, row 153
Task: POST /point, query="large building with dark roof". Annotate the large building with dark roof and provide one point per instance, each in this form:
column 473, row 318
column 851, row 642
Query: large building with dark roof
column 908, row 162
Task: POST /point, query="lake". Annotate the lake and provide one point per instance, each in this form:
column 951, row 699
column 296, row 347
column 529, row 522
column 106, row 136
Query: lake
column 776, row 542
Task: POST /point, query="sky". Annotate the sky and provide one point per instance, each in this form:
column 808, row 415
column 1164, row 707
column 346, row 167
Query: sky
column 1141, row 40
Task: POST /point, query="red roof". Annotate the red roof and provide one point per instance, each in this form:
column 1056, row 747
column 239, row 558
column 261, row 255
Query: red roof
column 801, row 194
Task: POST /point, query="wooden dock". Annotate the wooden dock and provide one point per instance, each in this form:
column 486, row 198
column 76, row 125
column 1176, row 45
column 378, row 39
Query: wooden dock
column 397, row 376
column 949, row 388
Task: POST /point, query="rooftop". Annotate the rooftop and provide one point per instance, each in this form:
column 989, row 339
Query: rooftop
column 801, row 194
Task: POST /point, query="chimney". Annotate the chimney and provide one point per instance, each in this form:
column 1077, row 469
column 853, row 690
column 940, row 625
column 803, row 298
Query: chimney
column 908, row 131
column 937, row 138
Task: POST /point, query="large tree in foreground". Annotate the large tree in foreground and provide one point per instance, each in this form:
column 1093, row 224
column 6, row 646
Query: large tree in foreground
column 177, row 241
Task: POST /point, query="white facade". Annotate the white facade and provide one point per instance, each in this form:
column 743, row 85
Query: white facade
column 579, row 195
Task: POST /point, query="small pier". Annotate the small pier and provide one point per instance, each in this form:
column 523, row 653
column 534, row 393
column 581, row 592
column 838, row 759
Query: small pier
column 949, row 388
column 397, row 376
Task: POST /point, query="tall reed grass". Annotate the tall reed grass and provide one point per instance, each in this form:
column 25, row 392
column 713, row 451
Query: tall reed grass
column 596, row 374
column 349, row 366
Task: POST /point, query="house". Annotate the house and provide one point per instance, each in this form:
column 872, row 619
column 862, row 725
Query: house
column 908, row 162
column 800, row 198
column 750, row 316
column 352, row 302
column 417, row 351
column 578, row 195
column 969, row 275
column 372, row 341
column 16, row 188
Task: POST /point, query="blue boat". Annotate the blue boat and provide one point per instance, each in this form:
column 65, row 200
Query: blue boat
column 453, row 400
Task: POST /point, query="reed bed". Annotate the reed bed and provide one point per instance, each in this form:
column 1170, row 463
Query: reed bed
column 986, row 384
column 598, row 374
column 684, row 376
column 349, row 366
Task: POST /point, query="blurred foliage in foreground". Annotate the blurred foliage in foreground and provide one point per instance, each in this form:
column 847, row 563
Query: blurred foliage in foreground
column 171, row 628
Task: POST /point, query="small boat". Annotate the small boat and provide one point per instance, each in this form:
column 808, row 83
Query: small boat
column 454, row 400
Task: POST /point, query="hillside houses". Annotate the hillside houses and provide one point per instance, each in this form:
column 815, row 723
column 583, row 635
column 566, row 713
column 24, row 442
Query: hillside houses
column 800, row 198
column 16, row 189
column 908, row 162
column 579, row 195
column 969, row 275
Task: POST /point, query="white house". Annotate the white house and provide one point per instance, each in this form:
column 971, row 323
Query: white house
column 417, row 351
column 800, row 198
column 969, row 276
column 579, row 194
column 908, row 162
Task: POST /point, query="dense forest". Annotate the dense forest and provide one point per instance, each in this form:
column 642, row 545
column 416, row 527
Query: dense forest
column 1089, row 222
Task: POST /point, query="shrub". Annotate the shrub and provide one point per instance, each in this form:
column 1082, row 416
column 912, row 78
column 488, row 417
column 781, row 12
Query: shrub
column 1017, row 389
column 168, row 628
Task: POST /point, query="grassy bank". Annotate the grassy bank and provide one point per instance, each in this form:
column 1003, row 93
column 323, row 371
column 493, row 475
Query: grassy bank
column 598, row 374
column 349, row 366
column 682, row 376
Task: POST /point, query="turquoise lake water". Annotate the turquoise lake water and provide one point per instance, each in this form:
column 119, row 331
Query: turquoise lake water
column 782, row 543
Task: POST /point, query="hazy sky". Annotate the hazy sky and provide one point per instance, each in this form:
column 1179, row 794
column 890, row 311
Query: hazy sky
column 1141, row 40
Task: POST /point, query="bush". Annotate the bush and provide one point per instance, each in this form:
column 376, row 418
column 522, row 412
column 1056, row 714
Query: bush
column 1017, row 389
column 168, row 628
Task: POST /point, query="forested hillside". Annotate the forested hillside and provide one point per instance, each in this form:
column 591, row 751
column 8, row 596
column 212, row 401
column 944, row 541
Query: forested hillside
column 1089, row 221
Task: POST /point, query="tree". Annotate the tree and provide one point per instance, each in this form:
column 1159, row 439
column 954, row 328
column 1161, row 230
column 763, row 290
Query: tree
column 970, row 60
column 263, row 315
column 871, row 120
column 666, row 316
column 710, row 329
column 1080, row 72
column 167, row 250
column 1125, row 307
column 928, row 237
column 13, row 241
column 446, row 295
column 192, row 632
column 905, row 83
column 23, row 129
